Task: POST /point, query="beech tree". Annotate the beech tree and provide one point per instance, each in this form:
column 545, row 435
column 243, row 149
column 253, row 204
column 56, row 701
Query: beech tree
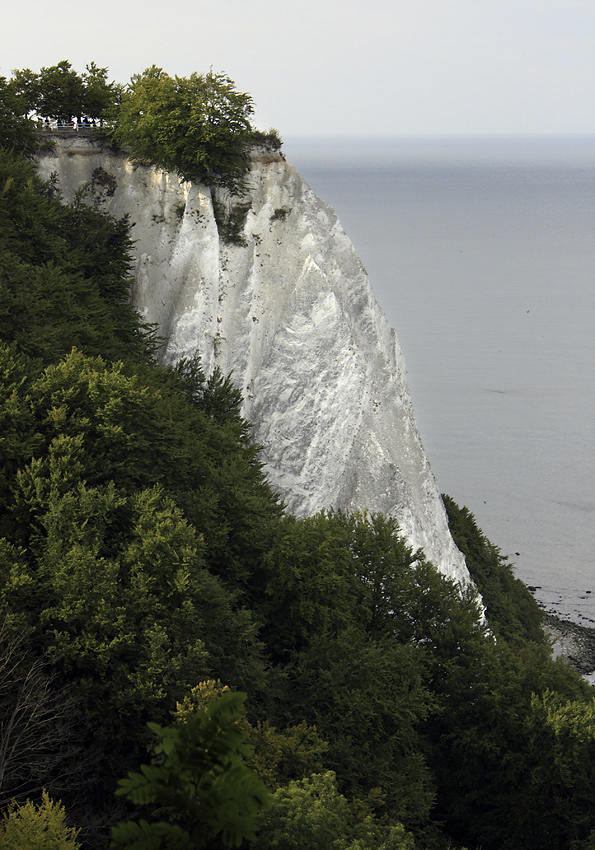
column 17, row 132
column 100, row 97
column 24, row 84
column 311, row 813
column 59, row 92
column 197, row 125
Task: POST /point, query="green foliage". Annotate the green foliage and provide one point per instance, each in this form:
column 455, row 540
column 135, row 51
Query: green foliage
column 360, row 622
column 24, row 85
column 198, row 126
column 122, row 492
column 310, row 814
column 216, row 396
column 511, row 610
column 368, row 697
column 37, row 827
column 17, row 132
column 326, row 571
column 484, row 752
column 231, row 218
column 19, row 440
column 100, row 97
column 64, row 273
column 143, row 552
column 270, row 139
column 279, row 756
column 310, row 588
column 391, row 661
column 561, row 758
column 199, row 775
column 59, row 92
column 133, row 429
column 276, row 756
column 103, row 184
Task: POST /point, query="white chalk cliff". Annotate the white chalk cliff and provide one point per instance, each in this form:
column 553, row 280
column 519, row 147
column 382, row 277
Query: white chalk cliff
column 292, row 315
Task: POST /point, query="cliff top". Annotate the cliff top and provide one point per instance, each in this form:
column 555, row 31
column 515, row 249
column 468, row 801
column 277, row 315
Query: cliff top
column 79, row 140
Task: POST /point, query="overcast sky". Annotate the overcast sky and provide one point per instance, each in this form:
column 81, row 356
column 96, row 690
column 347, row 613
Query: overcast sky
column 331, row 67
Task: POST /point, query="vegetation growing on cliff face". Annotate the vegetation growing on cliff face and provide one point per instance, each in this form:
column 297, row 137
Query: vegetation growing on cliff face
column 143, row 553
column 64, row 272
column 511, row 609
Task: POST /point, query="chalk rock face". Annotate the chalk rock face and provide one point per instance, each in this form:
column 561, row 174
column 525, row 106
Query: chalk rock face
column 291, row 313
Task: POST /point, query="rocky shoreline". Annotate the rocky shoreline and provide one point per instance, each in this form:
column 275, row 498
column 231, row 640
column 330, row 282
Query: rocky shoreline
column 573, row 642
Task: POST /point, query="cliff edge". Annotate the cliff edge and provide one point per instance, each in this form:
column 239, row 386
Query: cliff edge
column 289, row 310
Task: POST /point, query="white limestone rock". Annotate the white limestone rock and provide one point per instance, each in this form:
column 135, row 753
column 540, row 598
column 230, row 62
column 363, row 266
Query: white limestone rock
column 293, row 316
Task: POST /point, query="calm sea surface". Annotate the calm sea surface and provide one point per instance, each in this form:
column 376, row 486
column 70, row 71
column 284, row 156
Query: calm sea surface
column 482, row 253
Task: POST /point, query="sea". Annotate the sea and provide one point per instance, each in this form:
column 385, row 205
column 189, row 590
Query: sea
column 481, row 251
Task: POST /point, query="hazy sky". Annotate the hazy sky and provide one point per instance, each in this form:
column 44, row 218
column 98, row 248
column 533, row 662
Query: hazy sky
column 342, row 66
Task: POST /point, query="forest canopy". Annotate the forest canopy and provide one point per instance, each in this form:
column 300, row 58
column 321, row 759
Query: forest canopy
column 150, row 576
